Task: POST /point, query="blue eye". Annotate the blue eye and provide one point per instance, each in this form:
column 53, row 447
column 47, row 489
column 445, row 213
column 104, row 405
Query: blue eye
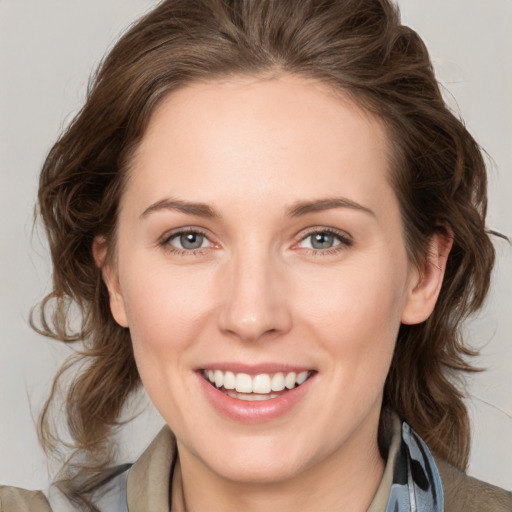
column 323, row 240
column 188, row 240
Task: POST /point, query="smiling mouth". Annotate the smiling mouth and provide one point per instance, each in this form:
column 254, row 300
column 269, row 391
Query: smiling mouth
column 263, row 386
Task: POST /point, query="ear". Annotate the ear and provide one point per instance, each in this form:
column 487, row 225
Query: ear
column 111, row 280
column 427, row 279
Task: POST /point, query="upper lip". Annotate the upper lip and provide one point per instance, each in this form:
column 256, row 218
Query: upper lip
column 255, row 369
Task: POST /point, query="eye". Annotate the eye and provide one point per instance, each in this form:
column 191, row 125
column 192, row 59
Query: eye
column 323, row 240
column 188, row 241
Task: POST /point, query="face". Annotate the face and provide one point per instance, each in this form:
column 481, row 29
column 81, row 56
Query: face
column 261, row 269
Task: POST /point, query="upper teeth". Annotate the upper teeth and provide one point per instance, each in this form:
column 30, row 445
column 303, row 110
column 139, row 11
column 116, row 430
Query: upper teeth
column 261, row 383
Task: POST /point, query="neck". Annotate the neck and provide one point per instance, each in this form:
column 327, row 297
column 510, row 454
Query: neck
column 346, row 480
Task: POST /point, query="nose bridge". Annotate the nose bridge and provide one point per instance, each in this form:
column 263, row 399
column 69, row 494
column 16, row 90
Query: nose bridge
column 254, row 302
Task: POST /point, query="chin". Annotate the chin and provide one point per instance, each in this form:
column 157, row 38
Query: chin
column 258, row 459
column 258, row 471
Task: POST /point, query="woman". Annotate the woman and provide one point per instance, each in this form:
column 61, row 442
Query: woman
column 270, row 219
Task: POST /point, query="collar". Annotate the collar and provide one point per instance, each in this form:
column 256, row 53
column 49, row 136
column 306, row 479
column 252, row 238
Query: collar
column 149, row 479
column 411, row 480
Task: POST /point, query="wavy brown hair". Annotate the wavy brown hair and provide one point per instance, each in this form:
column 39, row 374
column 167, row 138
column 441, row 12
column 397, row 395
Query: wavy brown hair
column 358, row 47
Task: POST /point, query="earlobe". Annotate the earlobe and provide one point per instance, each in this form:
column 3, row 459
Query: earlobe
column 426, row 281
column 111, row 280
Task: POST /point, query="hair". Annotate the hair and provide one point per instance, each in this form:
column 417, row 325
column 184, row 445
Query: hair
column 358, row 47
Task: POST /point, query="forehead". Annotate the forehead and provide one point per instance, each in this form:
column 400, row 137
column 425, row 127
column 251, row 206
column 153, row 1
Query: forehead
column 257, row 135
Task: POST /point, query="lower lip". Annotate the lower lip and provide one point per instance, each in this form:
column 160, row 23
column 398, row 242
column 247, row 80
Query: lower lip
column 259, row 411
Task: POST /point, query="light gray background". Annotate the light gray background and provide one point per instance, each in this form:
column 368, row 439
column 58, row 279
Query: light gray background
column 48, row 49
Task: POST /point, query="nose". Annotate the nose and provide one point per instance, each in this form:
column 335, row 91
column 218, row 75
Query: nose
column 255, row 304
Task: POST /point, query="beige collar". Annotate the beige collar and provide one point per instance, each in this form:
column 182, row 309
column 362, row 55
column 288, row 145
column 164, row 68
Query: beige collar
column 150, row 477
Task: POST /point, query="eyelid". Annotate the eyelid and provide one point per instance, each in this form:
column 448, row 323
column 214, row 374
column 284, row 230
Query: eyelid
column 165, row 240
column 345, row 239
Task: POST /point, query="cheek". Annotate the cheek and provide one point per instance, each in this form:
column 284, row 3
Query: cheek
column 166, row 313
column 164, row 308
column 355, row 315
column 353, row 300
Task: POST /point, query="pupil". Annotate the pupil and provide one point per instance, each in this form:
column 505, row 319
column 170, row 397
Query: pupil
column 322, row 241
column 191, row 240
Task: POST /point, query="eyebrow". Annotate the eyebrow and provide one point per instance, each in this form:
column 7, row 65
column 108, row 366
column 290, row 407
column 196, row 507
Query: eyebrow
column 199, row 209
column 318, row 205
column 297, row 210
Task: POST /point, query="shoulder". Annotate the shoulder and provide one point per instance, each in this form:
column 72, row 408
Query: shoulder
column 107, row 493
column 463, row 493
column 14, row 499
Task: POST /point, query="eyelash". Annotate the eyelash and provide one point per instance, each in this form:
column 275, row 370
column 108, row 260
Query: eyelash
column 344, row 242
column 166, row 242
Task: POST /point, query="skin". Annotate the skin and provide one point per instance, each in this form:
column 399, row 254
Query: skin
column 251, row 149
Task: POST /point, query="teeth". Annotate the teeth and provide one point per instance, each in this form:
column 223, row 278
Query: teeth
column 259, row 385
column 289, row 380
column 218, row 378
column 243, row 383
column 251, row 397
column 229, row 380
column 301, row 377
column 278, row 382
